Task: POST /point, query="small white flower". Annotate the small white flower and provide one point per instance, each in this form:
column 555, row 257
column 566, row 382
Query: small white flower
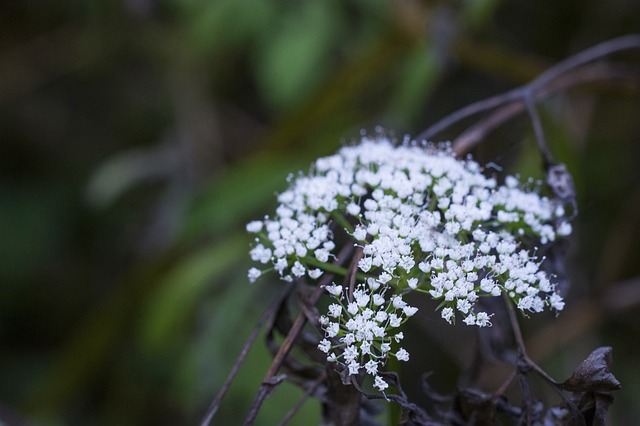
column 315, row 273
column 394, row 320
column 412, row 283
column 373, row 284
column 409, row 311
column 350, row 353
column 447, row 314
column 280, row 265
column 322, row 255
column 334, row 290
column 381, row 316
column 463, row 305
column 370, row 205
column 397, row 302
column 332, row 329
column 335, row 310
column 254, row 274
column 378, row 299
column 324, row 345
column 402, row 355
column 353, row 209
column 254, row 227
column 511, row 182
column 380, row 383
column 354, row 367
column 298, row 269
column 360, row 233
column 365, row 264
column 470, row 320
column 564, row 229
column 482, row 319
column 372, row 367
column 556, row 302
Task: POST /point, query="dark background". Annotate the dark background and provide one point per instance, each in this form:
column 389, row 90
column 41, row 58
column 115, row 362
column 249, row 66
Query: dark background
column 137, row 137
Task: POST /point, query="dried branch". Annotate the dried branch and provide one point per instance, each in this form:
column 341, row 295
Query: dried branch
column 267, row 382
column 215, row 404
column 600, row 72
column 529, row 93
column 526, row 364
column 414, row 415
column 309, row 391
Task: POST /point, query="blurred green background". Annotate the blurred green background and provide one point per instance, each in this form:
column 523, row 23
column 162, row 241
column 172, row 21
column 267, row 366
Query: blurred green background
column 137, row 137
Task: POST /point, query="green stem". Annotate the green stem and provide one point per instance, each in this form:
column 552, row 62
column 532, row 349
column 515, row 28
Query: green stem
column 329, row 267
column 342, row 221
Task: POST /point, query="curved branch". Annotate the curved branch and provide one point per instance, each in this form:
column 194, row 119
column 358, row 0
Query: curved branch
column 601, row 72
column 537, row 85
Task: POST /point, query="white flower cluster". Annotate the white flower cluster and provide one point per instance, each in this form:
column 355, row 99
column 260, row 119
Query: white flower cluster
column 427, row 222
column 364, row 328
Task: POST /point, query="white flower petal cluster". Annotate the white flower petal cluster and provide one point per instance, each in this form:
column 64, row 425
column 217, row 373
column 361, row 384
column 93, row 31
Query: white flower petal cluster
column 360, row 330
column 426, row 222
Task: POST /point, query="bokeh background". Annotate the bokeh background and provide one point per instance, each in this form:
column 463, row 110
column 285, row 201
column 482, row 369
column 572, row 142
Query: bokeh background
column 137, row 137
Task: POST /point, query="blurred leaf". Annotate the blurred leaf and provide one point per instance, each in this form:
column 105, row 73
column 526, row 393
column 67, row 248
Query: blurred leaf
column 182, row 289
column 237, row 192
column 478, row 13
column 414, row 84
column 225, row 24
column 31, row 226
column 294, row 56
column 125, row 170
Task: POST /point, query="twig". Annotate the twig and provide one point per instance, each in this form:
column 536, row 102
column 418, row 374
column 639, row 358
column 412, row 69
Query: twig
column 531, row 89
column 537, row 126
column 525, row 364
column 606, row 48
column 522, row 363
column 267, row 382
column 471, row 137
column 296, row 328
column 468, row 111
column 417, row 415
column 350, row 277
column 215, row 404
column 503, row 387
column 310, row 390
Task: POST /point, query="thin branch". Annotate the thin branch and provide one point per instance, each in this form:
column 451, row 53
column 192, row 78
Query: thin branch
column 525, row 363
column 537, row 127
column 350, row 277
column 417, row 415
column 296, row 328
column 532, row 88
column 266, row 388
column 503, row 387
column 267, row 382
column 471, row 137
column 310, row 390
column 468, row 111
column 215, row 404
column 606, row 48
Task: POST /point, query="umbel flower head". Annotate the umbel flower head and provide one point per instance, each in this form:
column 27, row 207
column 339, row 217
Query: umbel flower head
column 426, row 222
